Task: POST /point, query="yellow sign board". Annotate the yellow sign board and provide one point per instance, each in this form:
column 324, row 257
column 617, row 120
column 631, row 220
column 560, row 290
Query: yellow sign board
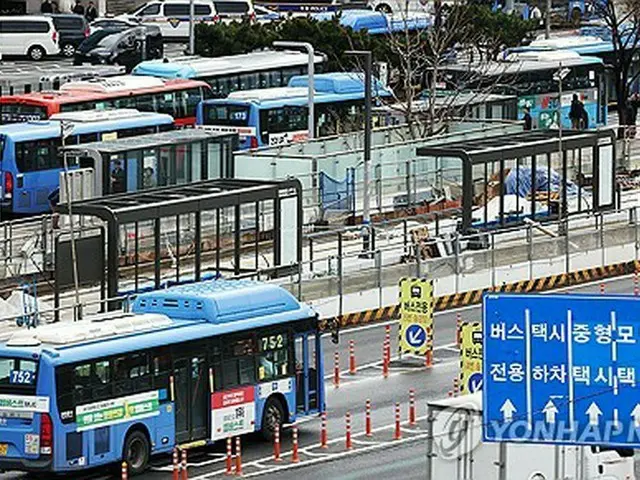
column 470, row 357
column 416, row 316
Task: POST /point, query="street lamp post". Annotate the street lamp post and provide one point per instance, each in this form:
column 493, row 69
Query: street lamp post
column 310, row 84
column 559, row 77
column 192, row 33
column 365, row 55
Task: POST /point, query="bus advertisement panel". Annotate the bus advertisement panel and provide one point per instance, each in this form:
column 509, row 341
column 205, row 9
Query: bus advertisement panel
column 192, row 365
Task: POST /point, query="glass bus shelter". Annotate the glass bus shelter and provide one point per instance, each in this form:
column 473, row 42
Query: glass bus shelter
column 156, row 160
column 155, row 238
column 534, row 174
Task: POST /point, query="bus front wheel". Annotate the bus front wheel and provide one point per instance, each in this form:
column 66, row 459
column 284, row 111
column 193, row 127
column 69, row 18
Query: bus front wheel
column 136, row 452
column 272, row 418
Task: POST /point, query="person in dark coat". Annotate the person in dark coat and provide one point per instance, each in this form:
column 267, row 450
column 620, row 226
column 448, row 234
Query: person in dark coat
column 576, row 114
column 78, row 9
column 528, row 121
column 91, row 13
column 46, row 7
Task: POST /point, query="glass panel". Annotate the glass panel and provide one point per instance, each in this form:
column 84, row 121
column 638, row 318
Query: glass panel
column 149, row 172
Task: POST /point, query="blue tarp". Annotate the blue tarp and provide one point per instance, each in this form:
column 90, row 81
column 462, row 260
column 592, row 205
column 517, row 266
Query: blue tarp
column 519, row 182
column 336, row 194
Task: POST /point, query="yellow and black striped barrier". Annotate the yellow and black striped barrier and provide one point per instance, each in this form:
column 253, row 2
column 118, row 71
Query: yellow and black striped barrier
column 472, row 297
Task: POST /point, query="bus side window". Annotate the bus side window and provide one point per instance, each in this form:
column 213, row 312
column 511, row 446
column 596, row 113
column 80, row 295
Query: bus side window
column 64, row 389
column 101, row 381
column 273, row 361
column 238, row 367
column 82, row 383
column 161, row 369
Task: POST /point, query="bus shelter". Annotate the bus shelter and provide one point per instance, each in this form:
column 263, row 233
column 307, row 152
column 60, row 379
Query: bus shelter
column 534, row 174
column 131, row 164
column 183, row 233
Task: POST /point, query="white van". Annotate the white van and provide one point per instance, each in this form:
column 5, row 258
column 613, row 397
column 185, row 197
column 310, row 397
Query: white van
column 172, row 16
column 31, row 36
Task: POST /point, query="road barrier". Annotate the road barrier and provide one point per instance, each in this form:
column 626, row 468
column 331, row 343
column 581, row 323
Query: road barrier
column 124, row 471
column 397, row 435
column 176, row 465
column 323, row 431
column 185, row 474
column 367, row 418
column 238, row 457
column 295, row 456
column 412, row 407
column 229, row 459
column 428, row 358
column 336, row 369
column 352, row 357
column 347, row 443
column 472, row 297
column 385, row 359
column 276, row 445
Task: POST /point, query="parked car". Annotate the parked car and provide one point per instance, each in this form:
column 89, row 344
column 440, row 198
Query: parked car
column 72, row 30
column 121, row 47
column 173, row 15
column 31, row 36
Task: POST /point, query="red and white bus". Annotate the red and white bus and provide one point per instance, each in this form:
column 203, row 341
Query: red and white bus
column 178, row 98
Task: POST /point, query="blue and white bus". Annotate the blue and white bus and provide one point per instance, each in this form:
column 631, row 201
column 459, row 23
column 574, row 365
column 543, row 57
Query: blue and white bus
column 277, row 116
column 590, row 42
column 248, row 71
column 190, row 366
column 531, row 76
column 31, row 160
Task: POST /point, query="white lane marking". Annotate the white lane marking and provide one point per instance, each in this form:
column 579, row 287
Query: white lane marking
column 325, row 457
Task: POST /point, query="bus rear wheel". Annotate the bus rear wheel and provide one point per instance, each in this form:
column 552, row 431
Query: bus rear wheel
column 272, row 418
column 136, row 452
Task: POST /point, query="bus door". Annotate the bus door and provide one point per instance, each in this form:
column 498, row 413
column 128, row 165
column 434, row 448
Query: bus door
column 307, row 367
column 191, row 398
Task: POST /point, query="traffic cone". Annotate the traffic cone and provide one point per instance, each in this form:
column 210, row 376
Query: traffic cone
column 367, row 418
column 185, row 475
column 348, row 443
column 176, row 465
column 352, row 357
column 412, row 407
column 238, row 457
column 323, row 431
column 398, row 433
column 336, row 369
column 124, row 471
column 276, row 445
column 229, row 459
column 295, row 457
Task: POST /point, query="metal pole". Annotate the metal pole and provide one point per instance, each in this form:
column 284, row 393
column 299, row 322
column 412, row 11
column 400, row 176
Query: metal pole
column 547, row 22
column 366, row 215
column 310, row 83
column 192, row 39
column 74, row 259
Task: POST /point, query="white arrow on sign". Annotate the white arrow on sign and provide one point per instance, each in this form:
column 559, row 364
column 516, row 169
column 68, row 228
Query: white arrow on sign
column 414, row 336
column 635, row 413
column 508, row 409
column 594, row 412
column 550, row 411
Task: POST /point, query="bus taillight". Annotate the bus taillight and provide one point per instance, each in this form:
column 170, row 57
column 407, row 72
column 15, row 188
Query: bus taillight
column 46, row 434
column 8, row 185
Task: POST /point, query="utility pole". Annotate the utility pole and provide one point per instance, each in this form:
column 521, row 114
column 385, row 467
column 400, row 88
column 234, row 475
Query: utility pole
column 366, row 56
column 547, row 21
column 192, row 33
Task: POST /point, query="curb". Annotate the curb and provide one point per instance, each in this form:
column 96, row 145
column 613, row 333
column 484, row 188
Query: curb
column 472, row 297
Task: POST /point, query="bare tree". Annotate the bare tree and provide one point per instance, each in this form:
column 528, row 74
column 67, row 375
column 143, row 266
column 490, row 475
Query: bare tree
column 622, row 19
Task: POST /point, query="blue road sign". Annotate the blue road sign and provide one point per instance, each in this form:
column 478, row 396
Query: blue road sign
column 415, row 335
column 561, row 369
column 475, row 382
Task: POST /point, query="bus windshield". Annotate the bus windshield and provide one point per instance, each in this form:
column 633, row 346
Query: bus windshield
column 18, row 112
column 17, row 375
column 227, row 115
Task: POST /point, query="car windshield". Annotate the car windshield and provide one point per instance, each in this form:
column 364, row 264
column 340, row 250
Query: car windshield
column 100, row 38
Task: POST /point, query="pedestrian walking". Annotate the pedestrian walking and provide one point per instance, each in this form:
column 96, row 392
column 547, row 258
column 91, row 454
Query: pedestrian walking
column 528, row 121
column 577, row 113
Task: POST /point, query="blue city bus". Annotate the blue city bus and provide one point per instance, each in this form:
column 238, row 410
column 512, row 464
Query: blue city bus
column 191, row 365
column 589, row 42
column 531, row 76
column 277, row 116
column 31, row 157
